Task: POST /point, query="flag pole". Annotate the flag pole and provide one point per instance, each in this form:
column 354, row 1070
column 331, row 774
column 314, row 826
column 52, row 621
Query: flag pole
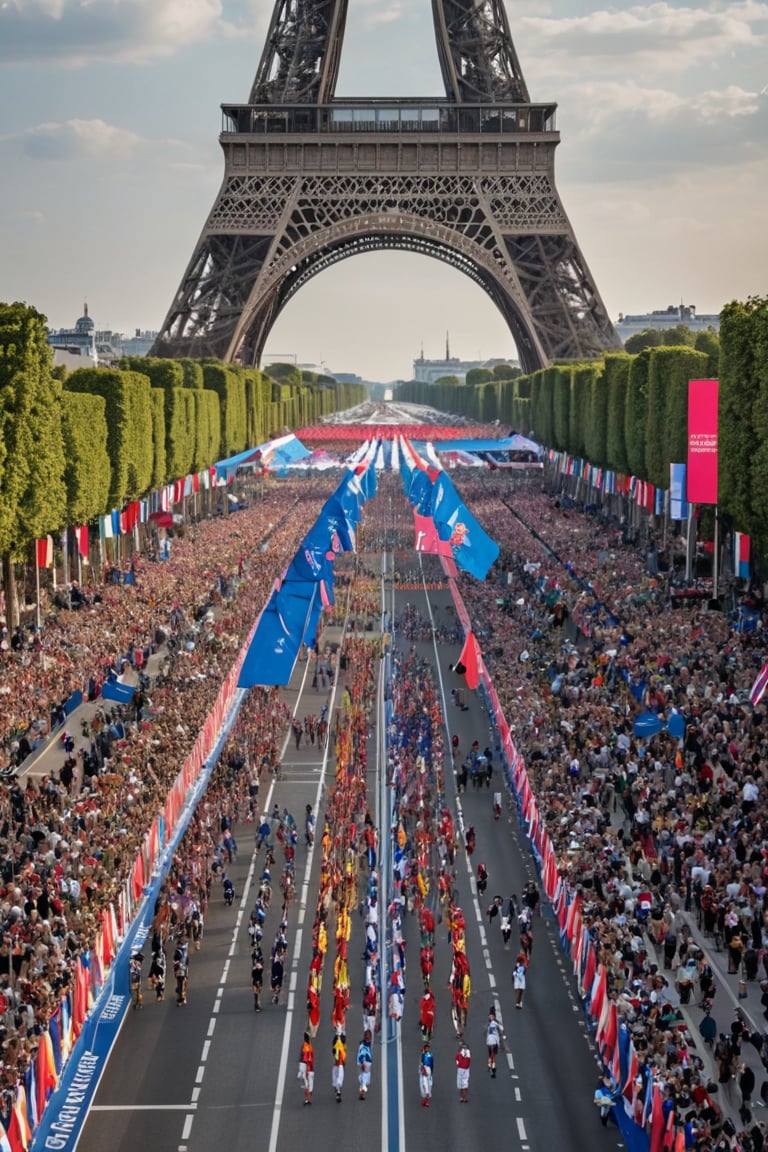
column 715, row 558
column 37, row 589
column 688, row 548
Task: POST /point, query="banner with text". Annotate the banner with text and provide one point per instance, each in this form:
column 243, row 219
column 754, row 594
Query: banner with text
column 702, row 441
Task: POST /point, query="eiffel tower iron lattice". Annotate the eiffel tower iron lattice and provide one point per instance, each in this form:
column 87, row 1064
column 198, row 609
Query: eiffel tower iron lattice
column 311, row 179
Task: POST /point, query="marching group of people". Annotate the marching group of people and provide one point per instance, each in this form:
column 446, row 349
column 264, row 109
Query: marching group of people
column 589, row 640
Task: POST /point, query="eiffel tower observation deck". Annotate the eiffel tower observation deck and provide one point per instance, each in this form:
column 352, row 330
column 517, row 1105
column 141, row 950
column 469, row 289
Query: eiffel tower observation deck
column 311, row 179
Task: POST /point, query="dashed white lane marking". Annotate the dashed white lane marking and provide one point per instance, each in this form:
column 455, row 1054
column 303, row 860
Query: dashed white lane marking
column 521, row 1128
column 189, row 1118
column 141, row 1107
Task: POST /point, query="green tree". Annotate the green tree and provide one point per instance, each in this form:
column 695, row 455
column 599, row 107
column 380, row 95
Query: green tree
column 477, row 376
column 129, row 427
column 86, row 472
column 738, row 392
column 284, row 373
column 639, row 341
column 636, row 413
column 32, row 491
column 506, row 371
column 669, row 371
column 708, row 342
column 679, row 336
column 616, row 376
column 758, row 525
column 160, row 473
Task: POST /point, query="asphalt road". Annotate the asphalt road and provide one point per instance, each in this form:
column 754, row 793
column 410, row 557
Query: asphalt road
column 215, row 1074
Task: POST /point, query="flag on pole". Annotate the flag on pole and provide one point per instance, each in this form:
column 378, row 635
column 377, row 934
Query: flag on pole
column 757, row 691
column 469, row 661
column 81, row 536
column 741, row 555
column 44, row 549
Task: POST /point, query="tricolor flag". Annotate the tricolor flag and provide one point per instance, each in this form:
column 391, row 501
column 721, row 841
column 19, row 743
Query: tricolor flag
column 44, row 551
column 81, row 536
column 741, row 555
column 757, row 691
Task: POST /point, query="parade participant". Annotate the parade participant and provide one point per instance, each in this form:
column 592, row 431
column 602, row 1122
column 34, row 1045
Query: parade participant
column 313, row 1009
column 427, row 1013
column 307, row 1068
column 518, row 980
column 493, row 1038
column 364, row 1064
column 426, row 1067
column 463, row 1061
column 276, row 973
column 157, row 966
column 134, row 969
column 482, row 878
column 469, row 840
column 339, row 1053
column 369, row 1008
column 496, row 805
column 257, row 975
column 181, row 970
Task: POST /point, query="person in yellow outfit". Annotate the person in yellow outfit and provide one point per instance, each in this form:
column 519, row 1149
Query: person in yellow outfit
column 339, row 1053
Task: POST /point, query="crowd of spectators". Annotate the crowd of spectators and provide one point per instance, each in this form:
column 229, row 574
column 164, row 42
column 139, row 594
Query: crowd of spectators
column 68, row 839
column 579, row 636
column 655, row 832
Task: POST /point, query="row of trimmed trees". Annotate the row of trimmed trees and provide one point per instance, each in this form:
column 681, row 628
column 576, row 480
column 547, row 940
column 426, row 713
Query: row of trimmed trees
column 75, row 446
column 629, row 412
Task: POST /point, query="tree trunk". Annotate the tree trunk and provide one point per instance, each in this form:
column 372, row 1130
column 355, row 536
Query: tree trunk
column 11, row 594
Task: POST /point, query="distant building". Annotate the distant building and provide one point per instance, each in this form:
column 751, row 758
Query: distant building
column 139, row 344
column 79, row 341
column 103, row 347
column 670, row 317
column 429, row 371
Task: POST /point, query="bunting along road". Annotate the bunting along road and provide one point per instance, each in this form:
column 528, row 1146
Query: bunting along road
column 217, row 1075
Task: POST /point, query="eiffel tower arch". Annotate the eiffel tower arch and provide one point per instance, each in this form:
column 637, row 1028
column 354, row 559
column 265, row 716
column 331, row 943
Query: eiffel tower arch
column 311, row 179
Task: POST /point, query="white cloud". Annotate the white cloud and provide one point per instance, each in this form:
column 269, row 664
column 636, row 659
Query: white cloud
column 87, row 139
column 654, row 38
column 72, row 32
column 616, row 131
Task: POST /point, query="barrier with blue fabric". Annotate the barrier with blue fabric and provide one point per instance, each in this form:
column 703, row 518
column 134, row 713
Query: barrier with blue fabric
column 65, row 1113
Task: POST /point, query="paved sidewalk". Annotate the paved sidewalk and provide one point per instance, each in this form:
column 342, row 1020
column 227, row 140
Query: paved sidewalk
column 49, row 756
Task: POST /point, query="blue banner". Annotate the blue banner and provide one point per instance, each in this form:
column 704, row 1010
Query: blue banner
column 678, row 505
column 65, row 1113
column 120, row 693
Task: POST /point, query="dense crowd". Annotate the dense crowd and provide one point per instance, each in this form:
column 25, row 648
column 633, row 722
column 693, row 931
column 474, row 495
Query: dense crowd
column 579, row 637
column 580, row 640
column 68, row 840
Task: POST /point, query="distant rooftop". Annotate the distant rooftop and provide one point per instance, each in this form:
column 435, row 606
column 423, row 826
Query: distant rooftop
column 669, row 317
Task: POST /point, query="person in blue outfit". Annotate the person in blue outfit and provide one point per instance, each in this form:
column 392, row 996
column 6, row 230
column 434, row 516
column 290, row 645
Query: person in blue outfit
column 364, row 1064
column 426, row 1068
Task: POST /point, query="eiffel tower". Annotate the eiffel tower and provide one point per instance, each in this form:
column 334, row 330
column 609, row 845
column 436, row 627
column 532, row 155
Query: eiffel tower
column 311, row 179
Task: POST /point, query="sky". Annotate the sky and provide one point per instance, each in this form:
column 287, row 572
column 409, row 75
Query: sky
column 110, row 162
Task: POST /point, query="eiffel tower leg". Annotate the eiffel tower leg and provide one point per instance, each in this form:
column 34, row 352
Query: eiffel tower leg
column 469, row 180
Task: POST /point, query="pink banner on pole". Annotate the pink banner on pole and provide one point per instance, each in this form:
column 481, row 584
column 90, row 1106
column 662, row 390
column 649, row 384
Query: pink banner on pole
column 701, row 476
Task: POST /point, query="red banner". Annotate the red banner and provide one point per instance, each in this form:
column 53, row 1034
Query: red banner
column 44, row 552
column 702, row 442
